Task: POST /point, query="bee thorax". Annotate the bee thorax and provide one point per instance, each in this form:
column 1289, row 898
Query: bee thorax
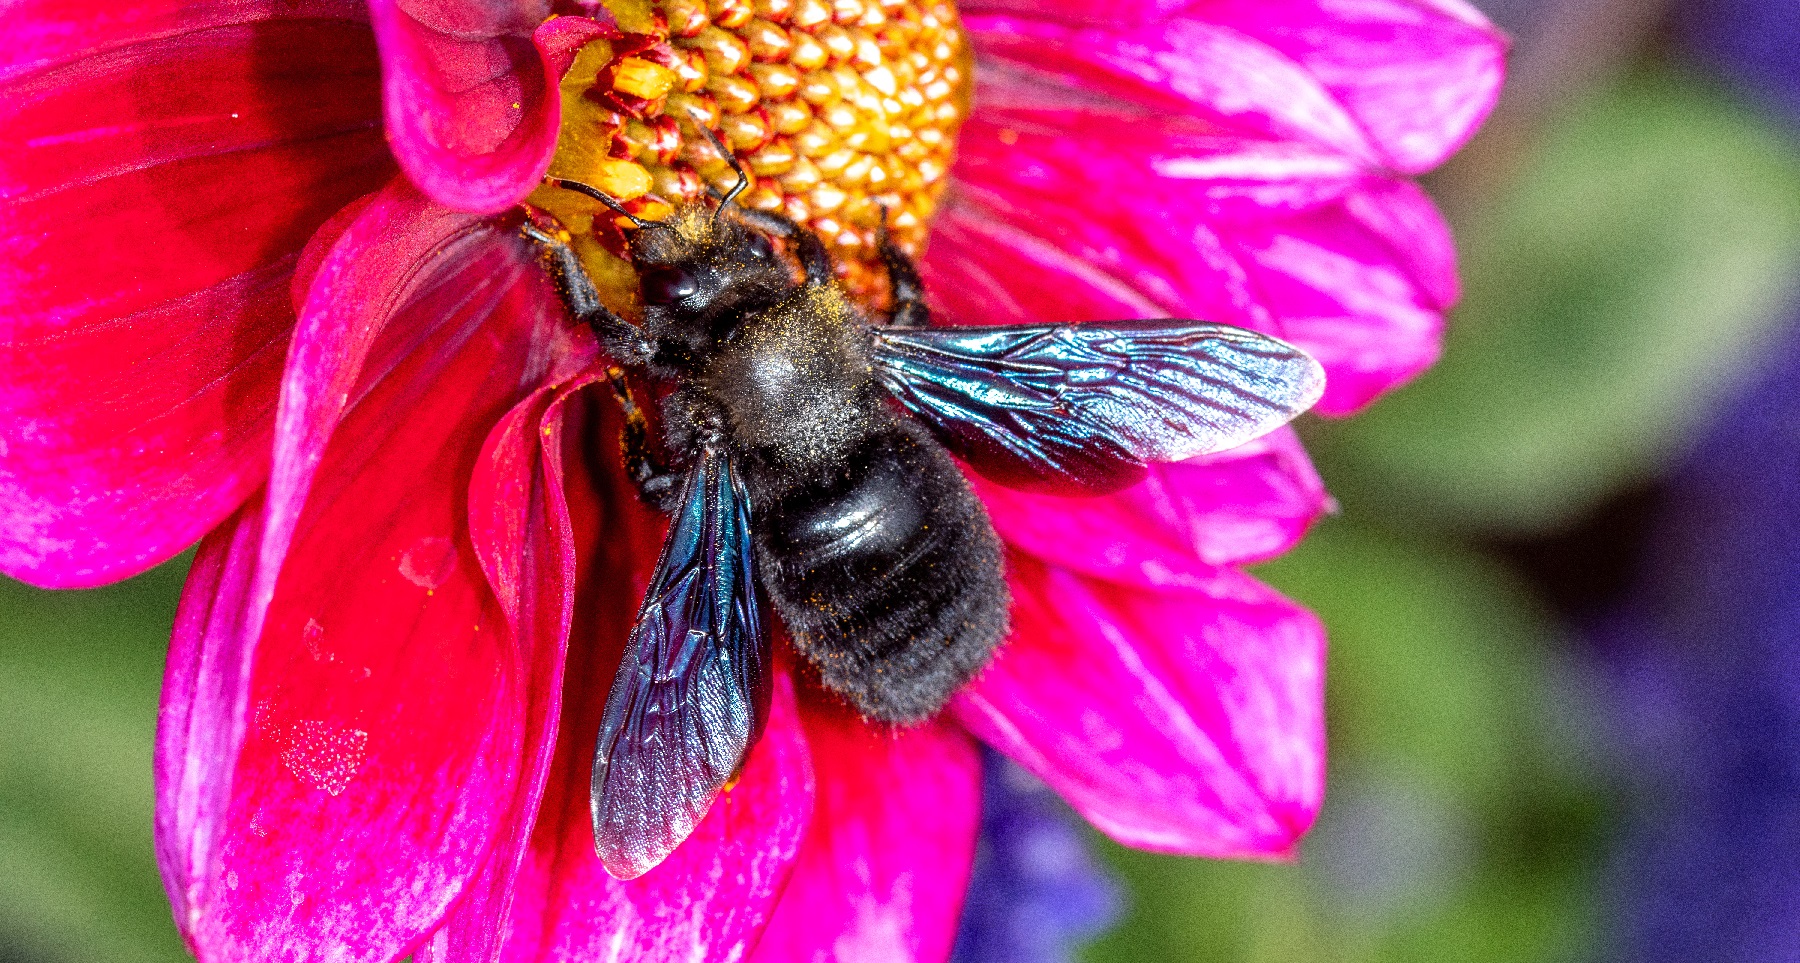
column 796, row 384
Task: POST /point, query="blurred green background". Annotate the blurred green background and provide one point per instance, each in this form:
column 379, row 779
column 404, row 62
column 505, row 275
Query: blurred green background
column 79, row 678
column 1630, row 229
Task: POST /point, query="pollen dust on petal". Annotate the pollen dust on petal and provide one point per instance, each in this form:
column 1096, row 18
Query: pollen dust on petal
column 322, row 755
column 314, row 636
column 878, row 929
column 429, row 562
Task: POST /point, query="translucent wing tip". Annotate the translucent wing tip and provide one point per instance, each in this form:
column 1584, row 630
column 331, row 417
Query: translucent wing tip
column 639, row 821
column 628, row 855
column 1310, row 382
column 623, row 865
column 1292, row 380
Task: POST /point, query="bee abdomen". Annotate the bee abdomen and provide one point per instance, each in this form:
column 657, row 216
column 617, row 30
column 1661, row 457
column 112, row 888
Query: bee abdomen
column 888, row 577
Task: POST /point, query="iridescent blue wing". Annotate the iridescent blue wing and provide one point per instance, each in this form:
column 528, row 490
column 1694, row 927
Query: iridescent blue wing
column 692, row 693
column 1086, row 407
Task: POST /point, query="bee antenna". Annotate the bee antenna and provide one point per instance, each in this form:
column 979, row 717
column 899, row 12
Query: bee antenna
column 743, row 179
column 598, row 195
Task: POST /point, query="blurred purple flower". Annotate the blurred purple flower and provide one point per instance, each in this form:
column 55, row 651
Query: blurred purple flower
column 1037, row 893
column 1754, row 43
column 1707, row 655
column 1707, row 647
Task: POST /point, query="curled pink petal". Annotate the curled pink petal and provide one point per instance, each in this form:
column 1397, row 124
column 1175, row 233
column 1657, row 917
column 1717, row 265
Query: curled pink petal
column 520, row 521
column 354, row 291
column 1179, row 525
column 1182, row 721
column 561, row 38
column 471, row 103
column 200, row 724
column 159, row 176
column 885, row 863
column 518, row 512
column 341, row 731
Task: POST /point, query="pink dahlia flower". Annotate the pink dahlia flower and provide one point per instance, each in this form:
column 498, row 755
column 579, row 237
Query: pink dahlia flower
column 235, row 304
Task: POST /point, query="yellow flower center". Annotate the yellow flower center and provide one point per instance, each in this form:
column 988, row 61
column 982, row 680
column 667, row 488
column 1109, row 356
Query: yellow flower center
column 836, row 108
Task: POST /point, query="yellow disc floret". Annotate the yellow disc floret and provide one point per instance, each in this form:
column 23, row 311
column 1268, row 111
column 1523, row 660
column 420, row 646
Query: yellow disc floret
column 836, row 108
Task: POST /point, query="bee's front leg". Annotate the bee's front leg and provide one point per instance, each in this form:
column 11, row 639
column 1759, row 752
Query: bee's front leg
column 657, row 485
column 903, row 280
column 619, row 338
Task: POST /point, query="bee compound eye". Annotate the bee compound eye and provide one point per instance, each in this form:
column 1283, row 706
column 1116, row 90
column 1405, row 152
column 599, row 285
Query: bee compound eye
column 666, row 285
column 757, row 247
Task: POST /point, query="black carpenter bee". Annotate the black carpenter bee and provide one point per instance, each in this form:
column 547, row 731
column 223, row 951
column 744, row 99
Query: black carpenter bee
column 811, row 465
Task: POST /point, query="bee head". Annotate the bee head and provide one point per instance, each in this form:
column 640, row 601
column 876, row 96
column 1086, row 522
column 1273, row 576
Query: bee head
column 699, row 273
column 699, row 276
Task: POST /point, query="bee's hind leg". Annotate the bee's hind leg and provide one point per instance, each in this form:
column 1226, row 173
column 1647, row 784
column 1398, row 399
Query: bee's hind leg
column 619, row 338
column 657, row 486
column 903, row 280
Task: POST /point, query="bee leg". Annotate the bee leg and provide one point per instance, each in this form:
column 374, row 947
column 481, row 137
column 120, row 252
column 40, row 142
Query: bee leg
column 903, row 280
column 655, row 483
column 807, row 246
column 618, row 338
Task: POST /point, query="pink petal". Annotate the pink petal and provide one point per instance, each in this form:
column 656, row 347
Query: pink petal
column 1398, row 84
column 519, row 514
column 1177, row 527
column 982, row 269
column 1044, row 174
column 1419, row 76
column 1182, row 721
column 1180, row 70
column 160, row 175
column 882, row 873
column 321, row 244
column 471, row 103
column 44, row 33
column 342, row 719
column 1082, row 12
column 1348, row 297
column 1357, row 269
column 1406, row 220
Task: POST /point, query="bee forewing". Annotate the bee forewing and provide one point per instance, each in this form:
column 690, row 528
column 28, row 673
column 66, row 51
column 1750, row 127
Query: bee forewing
column 1088, row 406
column 692, row 692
